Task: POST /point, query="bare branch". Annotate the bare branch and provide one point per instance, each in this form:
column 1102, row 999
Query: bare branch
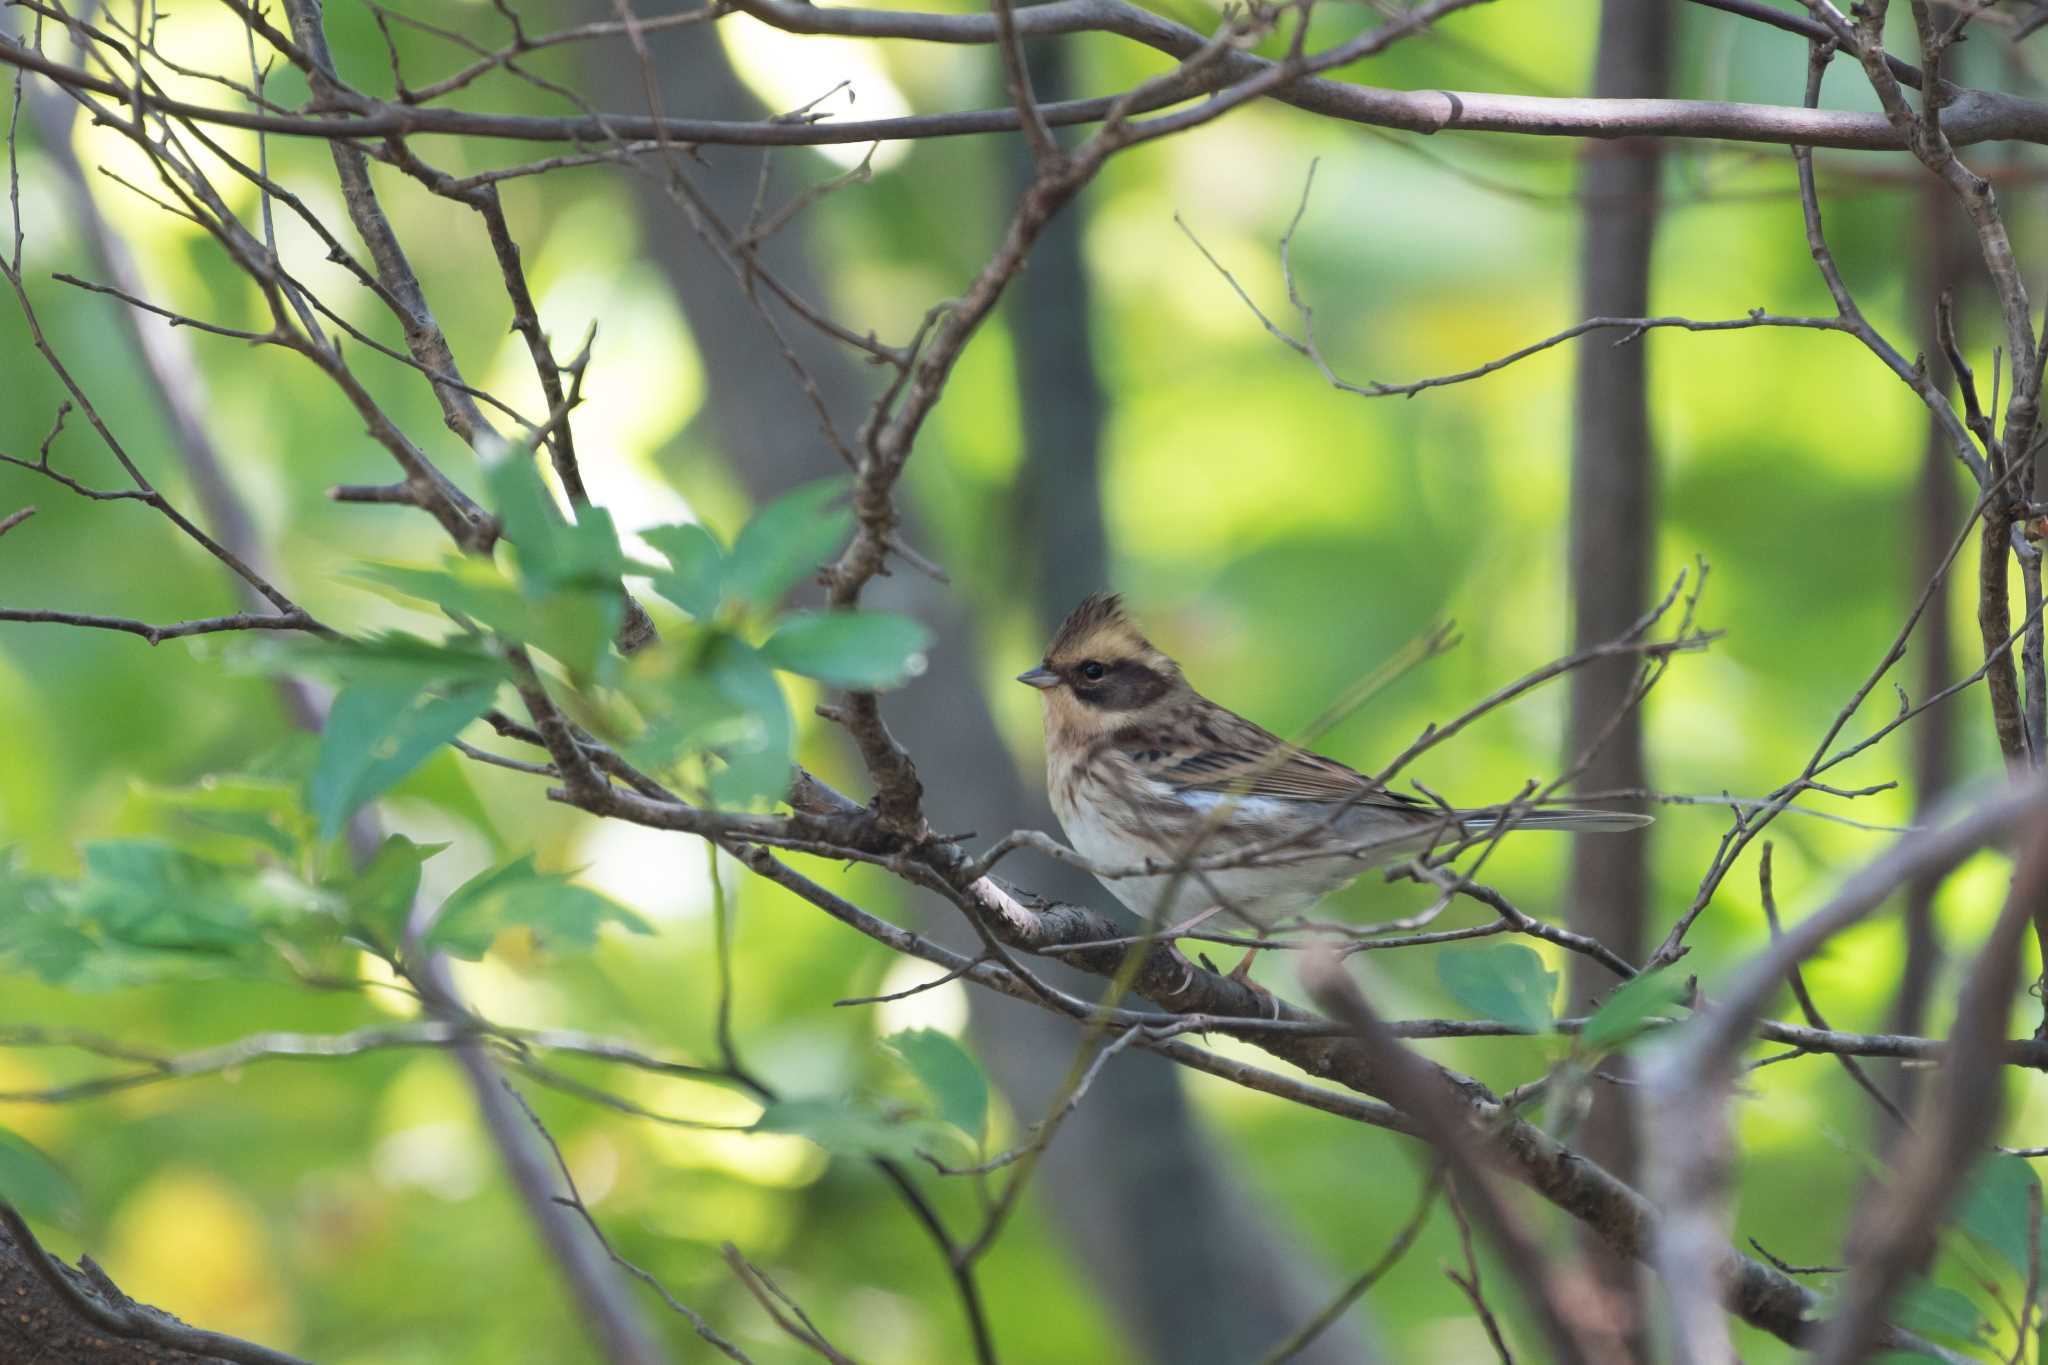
column 1563, row 1298
column 1356, row 1290
column 1971, row 116
column 1893, row 1234
column 574, row 1200
column 1797, row 980
column 177, row 630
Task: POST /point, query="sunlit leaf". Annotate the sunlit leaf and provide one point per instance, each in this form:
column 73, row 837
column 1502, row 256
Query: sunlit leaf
column 1628, row 1011
column 786, row 542
column 958, row 1089
column 849, row 648
column 375, row 735
column 558, row 911
column 32, row 1183
column 1505, row 982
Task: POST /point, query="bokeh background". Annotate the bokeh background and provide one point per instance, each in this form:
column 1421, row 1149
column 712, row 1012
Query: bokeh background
column 1124, row 422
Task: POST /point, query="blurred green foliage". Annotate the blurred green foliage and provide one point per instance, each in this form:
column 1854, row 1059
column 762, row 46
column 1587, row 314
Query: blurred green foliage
column 175, row 840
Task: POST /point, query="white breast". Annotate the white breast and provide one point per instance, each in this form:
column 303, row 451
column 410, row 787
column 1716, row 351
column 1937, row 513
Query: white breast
column 1260, row 894
column 1108, row 844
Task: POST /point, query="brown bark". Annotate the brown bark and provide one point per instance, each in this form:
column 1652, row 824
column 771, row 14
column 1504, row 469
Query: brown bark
column 39, row 1323
column 1613, row 539
column 1941, row 265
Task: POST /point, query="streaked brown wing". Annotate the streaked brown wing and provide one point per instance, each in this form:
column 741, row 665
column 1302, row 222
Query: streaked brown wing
column 1211, row 749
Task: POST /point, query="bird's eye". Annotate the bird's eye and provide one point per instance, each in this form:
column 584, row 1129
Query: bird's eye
column 1094, row 671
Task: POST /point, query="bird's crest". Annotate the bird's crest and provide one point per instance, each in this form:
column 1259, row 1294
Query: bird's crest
column 1098, row 627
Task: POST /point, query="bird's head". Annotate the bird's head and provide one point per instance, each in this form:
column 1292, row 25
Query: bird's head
column 1100, row 670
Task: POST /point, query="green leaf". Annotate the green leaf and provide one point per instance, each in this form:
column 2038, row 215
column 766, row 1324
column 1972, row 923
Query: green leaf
column 32, row 1183
column 691, row 714
column 251, row 825
column 576, row 625
column 553, row 552
column 756, row 769
column 375, row 735
column 151, row 896
column 525, row 508
column 1996, row 1207
column 572, row 613
column 786, row 541
column 949, row 1075
column 864, row 649
column 379, row 898
column 1629, row 1010
column 572, row 620
column 846, row 1127
column 1507, row 982
column 1936, row 1311
column 264, row 811
column 146, row 910
column 559, row 912
column 392, row 657
column 466, row 586
column 696, row 574
column 589, row 556
column 37, row 929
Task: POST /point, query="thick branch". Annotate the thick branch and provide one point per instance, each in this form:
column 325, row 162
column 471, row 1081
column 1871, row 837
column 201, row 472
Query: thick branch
column 59, row 1316
column 1974, row 116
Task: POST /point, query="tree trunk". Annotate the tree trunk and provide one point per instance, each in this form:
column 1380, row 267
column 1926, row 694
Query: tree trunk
column 1613, row 541
column 1941, row 263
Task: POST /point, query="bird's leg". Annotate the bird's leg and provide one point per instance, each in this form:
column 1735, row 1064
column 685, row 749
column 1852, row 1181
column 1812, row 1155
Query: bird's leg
column 1269, row 1003
column 1242, row 972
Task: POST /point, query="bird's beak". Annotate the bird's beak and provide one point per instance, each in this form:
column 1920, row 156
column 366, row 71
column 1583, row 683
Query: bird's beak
column 1040, row 678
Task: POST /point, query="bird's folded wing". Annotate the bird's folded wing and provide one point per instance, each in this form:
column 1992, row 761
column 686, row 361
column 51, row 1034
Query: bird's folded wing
column 1227, row 754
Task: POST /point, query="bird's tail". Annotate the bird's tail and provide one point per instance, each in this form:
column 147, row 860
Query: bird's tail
column 1572, row 821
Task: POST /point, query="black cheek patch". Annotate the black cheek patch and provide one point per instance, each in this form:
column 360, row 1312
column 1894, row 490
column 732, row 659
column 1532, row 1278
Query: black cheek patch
column 1128, row 687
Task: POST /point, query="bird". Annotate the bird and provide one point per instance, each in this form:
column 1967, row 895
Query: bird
column 1145, row 772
